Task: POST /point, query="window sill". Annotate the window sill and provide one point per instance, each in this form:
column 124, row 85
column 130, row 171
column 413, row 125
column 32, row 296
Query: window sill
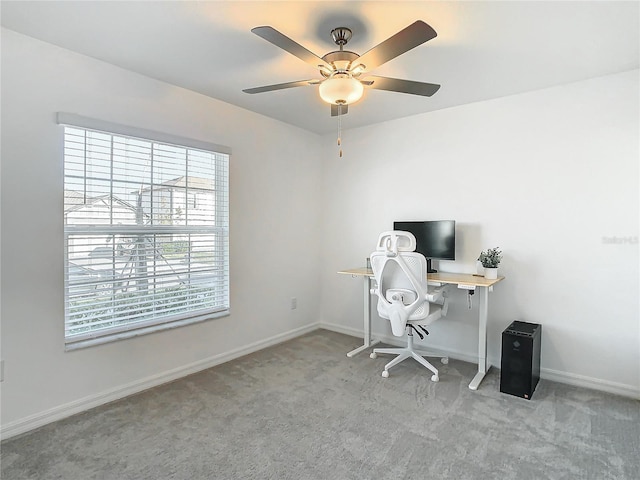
column 91, row 342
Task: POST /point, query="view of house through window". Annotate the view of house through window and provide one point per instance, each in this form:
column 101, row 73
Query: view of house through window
column 146, row 234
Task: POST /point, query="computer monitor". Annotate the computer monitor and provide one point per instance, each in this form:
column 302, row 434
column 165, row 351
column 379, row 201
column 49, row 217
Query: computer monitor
column 435, row 239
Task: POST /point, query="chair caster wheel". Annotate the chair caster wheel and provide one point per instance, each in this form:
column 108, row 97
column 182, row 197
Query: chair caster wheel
column 444, row 360
column 373, row 355
column 435, row 378
column 385, row 374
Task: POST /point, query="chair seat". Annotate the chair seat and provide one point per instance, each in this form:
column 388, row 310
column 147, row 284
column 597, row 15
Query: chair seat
column 435, row 312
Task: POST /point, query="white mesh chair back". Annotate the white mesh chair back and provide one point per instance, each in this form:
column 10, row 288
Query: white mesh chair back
column 401, row 277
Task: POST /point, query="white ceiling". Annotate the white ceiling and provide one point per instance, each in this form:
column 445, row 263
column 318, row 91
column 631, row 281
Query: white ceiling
column 484, row 49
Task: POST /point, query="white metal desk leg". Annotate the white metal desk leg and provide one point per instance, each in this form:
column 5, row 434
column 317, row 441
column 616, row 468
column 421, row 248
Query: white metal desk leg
column 367, row 320
column 483, row 365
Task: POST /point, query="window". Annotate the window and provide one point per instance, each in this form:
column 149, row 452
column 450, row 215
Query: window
column 141, row 253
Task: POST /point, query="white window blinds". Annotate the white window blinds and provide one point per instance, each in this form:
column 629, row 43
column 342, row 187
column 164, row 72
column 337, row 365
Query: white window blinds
column 146, row 228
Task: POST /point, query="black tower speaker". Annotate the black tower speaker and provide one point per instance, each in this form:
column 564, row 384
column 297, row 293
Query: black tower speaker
column 520, row 366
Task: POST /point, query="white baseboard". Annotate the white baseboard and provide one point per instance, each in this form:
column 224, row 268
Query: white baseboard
column 583, row 381
column 352, row 332
column 40, row 419
column 567, row 378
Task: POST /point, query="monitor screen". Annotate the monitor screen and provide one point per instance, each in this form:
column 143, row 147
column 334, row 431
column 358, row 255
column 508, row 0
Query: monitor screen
column 434, row 239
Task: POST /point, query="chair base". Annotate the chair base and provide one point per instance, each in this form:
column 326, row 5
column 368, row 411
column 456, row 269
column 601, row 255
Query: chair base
column 409, row 352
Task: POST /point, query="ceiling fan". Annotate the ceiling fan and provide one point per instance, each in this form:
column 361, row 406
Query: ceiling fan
column 343, row 72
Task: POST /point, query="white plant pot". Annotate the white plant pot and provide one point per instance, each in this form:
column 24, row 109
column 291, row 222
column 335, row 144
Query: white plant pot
column 490, row 273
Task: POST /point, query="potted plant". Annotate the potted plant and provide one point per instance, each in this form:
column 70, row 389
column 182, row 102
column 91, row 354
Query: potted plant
column 490, row 260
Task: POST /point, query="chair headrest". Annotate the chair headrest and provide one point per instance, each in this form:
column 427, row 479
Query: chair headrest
column 396, row 241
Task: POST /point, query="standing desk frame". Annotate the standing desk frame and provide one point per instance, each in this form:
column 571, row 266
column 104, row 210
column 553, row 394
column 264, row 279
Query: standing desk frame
column 462, row 280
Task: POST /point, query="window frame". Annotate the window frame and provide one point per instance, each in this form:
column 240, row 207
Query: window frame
column 156, row 323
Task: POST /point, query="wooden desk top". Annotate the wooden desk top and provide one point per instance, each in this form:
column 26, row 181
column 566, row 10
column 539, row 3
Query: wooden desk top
column 463, row 279
column 358, row 272
column 442, row 277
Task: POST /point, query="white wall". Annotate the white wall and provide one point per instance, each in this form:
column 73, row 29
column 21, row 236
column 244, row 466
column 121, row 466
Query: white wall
column 545, row 176
column 275, row 172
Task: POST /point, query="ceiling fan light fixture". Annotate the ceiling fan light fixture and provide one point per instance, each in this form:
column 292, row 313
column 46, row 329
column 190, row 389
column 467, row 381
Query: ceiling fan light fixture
column 341, row 89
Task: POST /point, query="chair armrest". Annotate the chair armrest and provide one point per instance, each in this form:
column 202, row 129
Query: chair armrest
column 439, row 296
column 436, row 295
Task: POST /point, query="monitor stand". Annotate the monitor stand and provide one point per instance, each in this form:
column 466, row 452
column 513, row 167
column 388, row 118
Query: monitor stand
column 429, row 269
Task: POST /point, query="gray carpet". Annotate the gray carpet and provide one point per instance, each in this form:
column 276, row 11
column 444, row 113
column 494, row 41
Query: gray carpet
column 303, row 410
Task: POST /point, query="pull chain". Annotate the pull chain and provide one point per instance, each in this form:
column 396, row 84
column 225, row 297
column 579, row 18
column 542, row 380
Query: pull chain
column 339, row 130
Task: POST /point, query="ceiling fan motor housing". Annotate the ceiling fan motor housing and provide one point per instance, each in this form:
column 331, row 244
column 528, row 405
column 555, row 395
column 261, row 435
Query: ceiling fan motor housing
column 341, row 61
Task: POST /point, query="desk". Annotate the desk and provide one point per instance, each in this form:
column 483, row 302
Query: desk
column 481, row 284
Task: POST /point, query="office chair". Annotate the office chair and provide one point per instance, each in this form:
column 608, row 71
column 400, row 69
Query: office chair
column 403, row 298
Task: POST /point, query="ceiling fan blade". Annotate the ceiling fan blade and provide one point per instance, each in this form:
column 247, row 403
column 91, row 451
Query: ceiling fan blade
column 281, row 86
column 272, row 35
column 415, row 34
column 403, row 86
column 335, row 111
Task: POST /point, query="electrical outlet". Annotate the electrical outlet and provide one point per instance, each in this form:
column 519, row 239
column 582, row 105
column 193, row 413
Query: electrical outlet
column 294, row 303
